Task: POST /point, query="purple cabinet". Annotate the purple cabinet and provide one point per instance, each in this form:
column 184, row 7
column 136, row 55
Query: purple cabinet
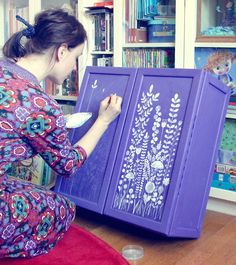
column 154, row 167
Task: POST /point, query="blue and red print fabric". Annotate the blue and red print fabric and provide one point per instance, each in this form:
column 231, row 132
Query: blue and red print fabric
column 32, row 219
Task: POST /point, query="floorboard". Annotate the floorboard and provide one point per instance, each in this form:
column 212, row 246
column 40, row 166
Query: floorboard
column 216, row 245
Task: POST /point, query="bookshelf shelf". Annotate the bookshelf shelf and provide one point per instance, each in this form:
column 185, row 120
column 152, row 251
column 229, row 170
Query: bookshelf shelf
column 223, row 194
column 149, row 45
column 199, row 16
column 65, row 98
column 102, row 52
column 216, row 45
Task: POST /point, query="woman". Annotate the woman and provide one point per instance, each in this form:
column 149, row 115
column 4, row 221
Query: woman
column 33, row 219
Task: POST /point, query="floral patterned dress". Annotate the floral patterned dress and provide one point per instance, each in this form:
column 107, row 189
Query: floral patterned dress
column 32, row 219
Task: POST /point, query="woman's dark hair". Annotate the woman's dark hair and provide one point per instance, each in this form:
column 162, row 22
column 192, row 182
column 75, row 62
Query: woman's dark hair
column 52, row 28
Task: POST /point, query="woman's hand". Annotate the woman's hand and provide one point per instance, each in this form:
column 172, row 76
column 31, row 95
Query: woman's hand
column 110, row 108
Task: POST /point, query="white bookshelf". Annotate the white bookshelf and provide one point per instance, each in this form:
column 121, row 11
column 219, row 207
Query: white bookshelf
column 219, row 200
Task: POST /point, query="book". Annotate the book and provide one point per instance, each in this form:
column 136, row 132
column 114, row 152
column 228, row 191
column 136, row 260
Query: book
column 224, row 177
column 28, row 170
column 221, row 63
column 34, row 170
column 108, row 4
column 102, row 28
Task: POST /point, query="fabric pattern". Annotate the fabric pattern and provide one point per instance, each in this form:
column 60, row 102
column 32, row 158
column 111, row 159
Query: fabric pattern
column 32, row 219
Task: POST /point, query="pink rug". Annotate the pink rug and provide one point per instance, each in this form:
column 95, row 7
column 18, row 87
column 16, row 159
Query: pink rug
column 78, row 247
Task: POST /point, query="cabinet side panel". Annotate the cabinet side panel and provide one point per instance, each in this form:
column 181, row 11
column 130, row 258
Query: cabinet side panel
column 197, row 176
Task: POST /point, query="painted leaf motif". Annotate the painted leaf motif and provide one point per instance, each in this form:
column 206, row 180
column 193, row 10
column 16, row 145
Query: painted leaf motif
column 175, row 105
column 157, row 165
column 176, row 98
column 138, row 150
column 146, row 198
column 160, row 190
column 94, row 85
column 174, row 110
column 129, row 175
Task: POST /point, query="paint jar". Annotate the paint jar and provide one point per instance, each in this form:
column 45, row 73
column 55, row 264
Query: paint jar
column 132, row 253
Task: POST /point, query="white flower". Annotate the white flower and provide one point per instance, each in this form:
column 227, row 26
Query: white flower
column 149, row 187
column 166, row 181
column 158, row 107
column 131, row 190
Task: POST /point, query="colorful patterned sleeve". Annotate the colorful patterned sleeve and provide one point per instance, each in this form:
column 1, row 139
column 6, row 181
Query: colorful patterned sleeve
column 44, row 130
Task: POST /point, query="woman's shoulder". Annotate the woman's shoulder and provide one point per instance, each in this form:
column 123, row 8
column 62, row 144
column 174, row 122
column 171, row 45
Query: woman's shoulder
column 16, row 71
column 26, row 90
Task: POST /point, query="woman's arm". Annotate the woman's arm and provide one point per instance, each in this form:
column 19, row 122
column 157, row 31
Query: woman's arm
column 110, row 108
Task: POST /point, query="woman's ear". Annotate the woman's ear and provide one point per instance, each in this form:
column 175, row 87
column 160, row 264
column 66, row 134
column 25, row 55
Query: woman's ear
column 61, row 52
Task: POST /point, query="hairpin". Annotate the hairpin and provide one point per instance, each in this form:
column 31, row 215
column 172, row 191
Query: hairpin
column 29, row 31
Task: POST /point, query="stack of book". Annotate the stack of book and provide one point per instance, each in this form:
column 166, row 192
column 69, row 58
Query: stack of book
column 225, row 170
column 103, row 27
column 224, row 177
column 148, row 58
column 138, row 13
column 232, row 107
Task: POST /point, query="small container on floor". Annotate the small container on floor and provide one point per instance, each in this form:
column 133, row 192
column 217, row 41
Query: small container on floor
column 133, row 253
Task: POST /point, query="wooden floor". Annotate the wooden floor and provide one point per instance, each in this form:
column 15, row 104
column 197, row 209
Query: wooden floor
column 216, row 245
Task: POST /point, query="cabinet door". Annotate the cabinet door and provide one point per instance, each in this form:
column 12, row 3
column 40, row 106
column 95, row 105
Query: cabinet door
column 88, row 187
column 153, row 147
